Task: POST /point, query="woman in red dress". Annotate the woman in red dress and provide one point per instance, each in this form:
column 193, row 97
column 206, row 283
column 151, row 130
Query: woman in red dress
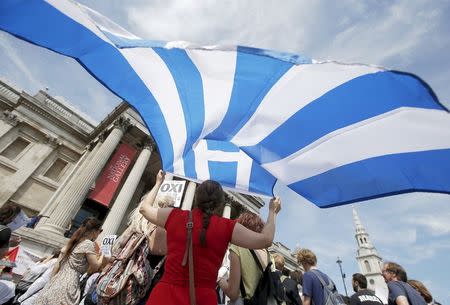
column 210, row 237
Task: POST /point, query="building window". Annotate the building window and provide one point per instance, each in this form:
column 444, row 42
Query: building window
column 365, row 240
column 54, row 172
column 15, row 148
column 367, row 265
column 360, row 239
column 371, row 282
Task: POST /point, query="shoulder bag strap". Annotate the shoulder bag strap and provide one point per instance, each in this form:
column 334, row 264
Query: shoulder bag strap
column 255, row 257
column 322, row 281
column 189, row 254
column 242, row 288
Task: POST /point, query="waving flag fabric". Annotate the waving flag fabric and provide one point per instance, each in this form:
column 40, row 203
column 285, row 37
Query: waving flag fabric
column 334, row 133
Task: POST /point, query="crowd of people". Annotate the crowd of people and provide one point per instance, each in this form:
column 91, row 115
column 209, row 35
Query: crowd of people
column 173, row 256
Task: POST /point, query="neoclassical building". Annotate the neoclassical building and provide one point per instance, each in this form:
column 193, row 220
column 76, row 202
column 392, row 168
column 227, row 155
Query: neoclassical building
column 369, row 261
column 54, row 160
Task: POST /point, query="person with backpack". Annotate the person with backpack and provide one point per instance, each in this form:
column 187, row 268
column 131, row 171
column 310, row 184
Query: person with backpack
column 290, row 286
column 400, row 293
column 143, row 245
column 318, row 288
column 246, row 275
column 196, row 244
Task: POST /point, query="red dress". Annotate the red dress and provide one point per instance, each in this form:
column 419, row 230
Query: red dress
column 173, row 288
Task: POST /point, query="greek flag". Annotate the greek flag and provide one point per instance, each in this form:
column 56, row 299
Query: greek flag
column 334, row 133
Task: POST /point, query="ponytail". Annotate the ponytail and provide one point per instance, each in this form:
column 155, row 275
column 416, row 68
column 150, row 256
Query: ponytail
column 210, row 199
column 206, row 217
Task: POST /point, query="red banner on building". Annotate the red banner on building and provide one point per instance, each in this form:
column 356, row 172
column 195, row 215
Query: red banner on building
column 107, row 184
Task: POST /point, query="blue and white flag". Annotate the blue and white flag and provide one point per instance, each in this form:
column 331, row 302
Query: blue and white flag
column 334, row 133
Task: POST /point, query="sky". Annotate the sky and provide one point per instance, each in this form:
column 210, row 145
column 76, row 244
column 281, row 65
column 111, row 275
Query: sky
column 405, row 35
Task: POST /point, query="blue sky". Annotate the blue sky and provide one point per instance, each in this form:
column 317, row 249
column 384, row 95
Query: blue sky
column 410, row 36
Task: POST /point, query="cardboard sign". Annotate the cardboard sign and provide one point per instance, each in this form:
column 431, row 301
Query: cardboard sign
column 172, row 192
column 107, row 244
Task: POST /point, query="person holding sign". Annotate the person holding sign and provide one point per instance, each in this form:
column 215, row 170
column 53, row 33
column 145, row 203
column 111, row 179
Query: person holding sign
column 211, row 235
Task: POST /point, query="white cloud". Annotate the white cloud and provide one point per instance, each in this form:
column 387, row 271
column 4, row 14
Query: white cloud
column 436, row 224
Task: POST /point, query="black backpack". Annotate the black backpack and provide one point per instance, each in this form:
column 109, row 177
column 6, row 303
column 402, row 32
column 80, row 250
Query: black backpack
column 269, row 286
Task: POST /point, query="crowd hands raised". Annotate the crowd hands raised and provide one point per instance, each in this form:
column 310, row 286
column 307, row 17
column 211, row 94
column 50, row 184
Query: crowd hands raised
column 229, row 262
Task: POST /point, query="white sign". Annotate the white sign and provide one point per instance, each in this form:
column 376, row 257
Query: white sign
column 171, row 192
column 24, row 260
column 20, row 220
column 107, row 244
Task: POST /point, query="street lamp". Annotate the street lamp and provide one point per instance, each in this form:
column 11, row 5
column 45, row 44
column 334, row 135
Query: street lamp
column 339, row 262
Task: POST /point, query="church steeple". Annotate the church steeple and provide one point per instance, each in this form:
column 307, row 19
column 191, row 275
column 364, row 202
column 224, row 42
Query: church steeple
column 362, row 238
column 370, row 263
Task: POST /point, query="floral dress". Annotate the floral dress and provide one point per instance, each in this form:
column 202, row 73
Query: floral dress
column 64, row 287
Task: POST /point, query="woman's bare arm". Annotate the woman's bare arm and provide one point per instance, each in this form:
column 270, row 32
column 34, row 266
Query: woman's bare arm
column 231, row 286
column 249, row 239
column 94, row 262
column 157, row 216
column 157, row 242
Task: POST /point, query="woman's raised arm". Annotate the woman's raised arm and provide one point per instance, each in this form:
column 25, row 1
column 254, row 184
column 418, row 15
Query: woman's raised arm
column 249, row 239
column 155, row 215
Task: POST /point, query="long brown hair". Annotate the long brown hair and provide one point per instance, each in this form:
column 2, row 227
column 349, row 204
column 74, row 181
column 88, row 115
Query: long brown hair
column 210, row 199
column 88, row 226
column 420, row 287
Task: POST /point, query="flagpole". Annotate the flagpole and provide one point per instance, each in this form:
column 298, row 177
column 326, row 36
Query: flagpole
column 189, row 196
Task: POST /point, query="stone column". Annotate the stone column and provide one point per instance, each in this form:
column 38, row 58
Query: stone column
column 117, row 213
column 227, row 211
column 189, row 196
column 79, row 166
column 69, row 204
column 29, row 163
column 8, row 120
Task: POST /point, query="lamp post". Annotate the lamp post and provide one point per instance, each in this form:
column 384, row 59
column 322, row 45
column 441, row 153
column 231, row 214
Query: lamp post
column 339, row 262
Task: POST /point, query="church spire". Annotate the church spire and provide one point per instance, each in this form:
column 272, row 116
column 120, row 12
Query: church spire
column 358, row 226
column 369, row 261
column 362, row 238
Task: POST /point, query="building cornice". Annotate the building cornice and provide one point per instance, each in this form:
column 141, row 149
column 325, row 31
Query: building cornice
column 56, row 118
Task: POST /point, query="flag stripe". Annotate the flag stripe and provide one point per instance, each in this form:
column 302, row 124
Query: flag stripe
column 296, row 88
column 154, row 72
column 253, row 78
column 401, row 131
column 356, row 100
column 378, row 177
column 220, row 170
column 190, row 88
column 261, row 181
column 217, row 72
